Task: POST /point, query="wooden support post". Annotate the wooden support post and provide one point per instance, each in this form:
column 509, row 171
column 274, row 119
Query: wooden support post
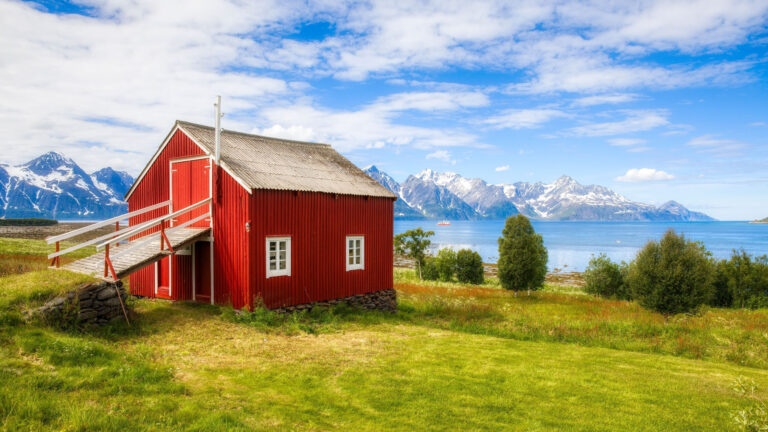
column 117, row 228
column 56, row 260
column 106, row 260
column 125, row 314
column 163, row 237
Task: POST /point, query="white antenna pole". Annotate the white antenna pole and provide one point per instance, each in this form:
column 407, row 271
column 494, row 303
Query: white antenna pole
column 218, row 128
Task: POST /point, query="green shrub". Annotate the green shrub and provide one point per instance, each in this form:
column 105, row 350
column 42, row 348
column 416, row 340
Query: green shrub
column 672, row 276
column 721, row 292
column 430, row 272
column 745, row 279
column 446, row 264
column 522, row 256
column 604, row 278
column 469, row 267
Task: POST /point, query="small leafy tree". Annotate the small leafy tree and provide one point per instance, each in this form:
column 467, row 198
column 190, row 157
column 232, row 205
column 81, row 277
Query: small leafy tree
column 672, row 276
column 446, row 264
column 522, row 256
column 414, row 244
column 604, row 278
column 469, row 267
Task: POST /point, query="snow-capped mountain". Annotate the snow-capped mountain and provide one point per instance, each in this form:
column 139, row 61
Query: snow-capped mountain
column 402, row 209
column 54, row 186
column 433, row 200
column 450, row 195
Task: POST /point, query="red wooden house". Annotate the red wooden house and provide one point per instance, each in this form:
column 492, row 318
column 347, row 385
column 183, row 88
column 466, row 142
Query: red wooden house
column 291, row 222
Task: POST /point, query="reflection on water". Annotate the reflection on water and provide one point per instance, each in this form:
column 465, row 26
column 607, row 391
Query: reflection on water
column 571, row 244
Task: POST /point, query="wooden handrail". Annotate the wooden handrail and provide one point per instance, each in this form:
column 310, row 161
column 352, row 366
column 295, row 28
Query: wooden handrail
column 151, row 237
column 143, row 227
column 104, row 237
column 188, row 223
column 97, row 225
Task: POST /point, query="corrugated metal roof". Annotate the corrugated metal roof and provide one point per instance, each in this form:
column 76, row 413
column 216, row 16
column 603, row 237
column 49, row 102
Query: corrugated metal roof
column 272, row 163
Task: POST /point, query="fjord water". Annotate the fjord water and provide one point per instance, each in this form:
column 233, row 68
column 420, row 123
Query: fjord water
column 571, row 244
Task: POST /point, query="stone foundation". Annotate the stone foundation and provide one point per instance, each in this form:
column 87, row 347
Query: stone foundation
column 384, row 300
column 94, row 304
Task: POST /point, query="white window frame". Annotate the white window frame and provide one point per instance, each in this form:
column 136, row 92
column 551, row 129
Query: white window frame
column 279, row 272
column 361, row 265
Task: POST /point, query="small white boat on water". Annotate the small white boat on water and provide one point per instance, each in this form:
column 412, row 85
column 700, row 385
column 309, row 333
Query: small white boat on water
column 443, row 223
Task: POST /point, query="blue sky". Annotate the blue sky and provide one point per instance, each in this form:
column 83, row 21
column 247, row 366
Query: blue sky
column 656, row 100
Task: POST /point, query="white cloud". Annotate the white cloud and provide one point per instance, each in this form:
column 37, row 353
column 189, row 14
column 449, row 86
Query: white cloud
column 547, row 38
column 297, row 133
column 108, row 88
column 611, row 98
column 634, row 121
column 443, row 155
column 369, row 127
column 712, row 144
column 523, row 118
column 502, row 168
column 626, row 142
column 431, row 101
column 644, row 175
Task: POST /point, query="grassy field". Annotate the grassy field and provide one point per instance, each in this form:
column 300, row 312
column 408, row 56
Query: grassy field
column 453, row 357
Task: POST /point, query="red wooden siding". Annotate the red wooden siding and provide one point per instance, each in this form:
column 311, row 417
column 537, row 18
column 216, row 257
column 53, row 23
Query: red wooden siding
column 191, row 184
column 231, row 246
column 155, row 188
column 318, row 224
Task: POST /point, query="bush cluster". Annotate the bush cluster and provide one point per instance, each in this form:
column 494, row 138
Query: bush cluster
column 28, row 222
column 676, row 275
column 605, row 278
column 466, row 265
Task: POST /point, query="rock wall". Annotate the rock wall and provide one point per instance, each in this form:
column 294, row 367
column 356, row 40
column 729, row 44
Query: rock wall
column 95, row 303
column 385, row 300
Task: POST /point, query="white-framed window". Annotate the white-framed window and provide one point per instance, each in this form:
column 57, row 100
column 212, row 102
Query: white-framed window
column 278, row 256
column 355, row 253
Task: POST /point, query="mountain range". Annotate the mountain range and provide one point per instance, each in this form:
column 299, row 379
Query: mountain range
column 54, row 186
column 448, row 195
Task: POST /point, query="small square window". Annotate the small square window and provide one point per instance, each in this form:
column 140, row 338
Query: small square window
column 355, row 253
column 278, row 256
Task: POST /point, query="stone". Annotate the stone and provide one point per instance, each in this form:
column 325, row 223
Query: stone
column 114, row 301
column 86, row 315
column 106, row 293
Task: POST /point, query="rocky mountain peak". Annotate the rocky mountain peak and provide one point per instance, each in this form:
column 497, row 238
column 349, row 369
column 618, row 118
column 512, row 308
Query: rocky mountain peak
column 448, row 194
column 49, row 162
column 54, row 186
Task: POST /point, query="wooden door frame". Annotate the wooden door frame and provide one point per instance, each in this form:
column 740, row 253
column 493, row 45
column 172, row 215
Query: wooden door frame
column 170, row 207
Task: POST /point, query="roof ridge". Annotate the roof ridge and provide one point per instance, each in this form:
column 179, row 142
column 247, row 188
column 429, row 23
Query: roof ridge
column 182, row 122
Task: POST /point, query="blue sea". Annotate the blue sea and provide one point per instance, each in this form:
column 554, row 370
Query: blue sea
column 571, row 244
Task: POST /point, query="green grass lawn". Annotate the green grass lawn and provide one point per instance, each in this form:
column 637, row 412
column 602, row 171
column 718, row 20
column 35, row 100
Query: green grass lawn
column 453, row 357
column 19, row 255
